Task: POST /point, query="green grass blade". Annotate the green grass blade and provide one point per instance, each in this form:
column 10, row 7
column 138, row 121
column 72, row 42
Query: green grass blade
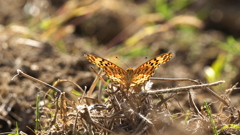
column 211, row 118
column 233, row 126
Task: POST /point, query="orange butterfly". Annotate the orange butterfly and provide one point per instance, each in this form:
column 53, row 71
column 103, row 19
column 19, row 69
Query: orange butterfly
column 130, row 77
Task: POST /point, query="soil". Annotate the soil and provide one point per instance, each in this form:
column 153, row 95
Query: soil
column 106, row 33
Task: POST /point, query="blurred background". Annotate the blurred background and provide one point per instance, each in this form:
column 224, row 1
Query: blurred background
column 48, row 38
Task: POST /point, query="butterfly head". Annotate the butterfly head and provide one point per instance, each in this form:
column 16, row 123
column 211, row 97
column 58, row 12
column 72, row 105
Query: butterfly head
column 129, row 73
column 129, row 69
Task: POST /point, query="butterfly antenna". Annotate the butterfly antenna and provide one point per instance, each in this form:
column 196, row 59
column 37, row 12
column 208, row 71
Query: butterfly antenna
column 141, row 61
column 122, row 62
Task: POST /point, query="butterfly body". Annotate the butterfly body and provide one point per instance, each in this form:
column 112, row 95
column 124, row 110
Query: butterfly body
column 130, row 77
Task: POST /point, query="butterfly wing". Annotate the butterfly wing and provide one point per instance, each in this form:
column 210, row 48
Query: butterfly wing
column 112, row 71
column 146, row 70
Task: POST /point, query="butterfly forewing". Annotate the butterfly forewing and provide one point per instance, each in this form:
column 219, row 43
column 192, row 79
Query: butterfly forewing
column 130, row 77
column 146, row 70
column 112, row 71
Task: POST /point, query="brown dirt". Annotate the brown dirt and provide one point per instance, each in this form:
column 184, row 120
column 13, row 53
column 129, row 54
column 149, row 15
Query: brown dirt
column 49, row 62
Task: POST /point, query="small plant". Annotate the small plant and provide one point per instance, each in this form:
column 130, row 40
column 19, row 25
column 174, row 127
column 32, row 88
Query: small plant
column 167, row 9
column 232, row 126
column 16, row 131
column 211, row 118
column 222, row 66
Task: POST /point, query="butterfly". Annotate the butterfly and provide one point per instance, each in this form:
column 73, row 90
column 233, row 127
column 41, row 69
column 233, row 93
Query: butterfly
column 129, row 78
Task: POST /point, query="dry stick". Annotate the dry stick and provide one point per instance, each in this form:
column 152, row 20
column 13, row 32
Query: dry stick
column 179, row 104
column 63, row 111
column 165, row 100
column 80, row 88
column 56, row 112
column 9, row 103
column 142, row 131
column 98, row 74
column 128, row 109
column 194, row 81
column 180, row 89
column 20, row 73
column 83, row 95
column 100, row 91
column 64, row 80
column 192, row 103
column 227, row 96
column 70, row 103
column 95, row 82
column 75, row 125
column 144, row 119
column 87, row 117
column 129, row 101
column 90, row 91
column 174, row 79
column 114, row 116
column 115, row 102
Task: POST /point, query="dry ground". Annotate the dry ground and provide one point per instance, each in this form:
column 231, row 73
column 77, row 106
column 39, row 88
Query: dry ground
column 105, row 30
